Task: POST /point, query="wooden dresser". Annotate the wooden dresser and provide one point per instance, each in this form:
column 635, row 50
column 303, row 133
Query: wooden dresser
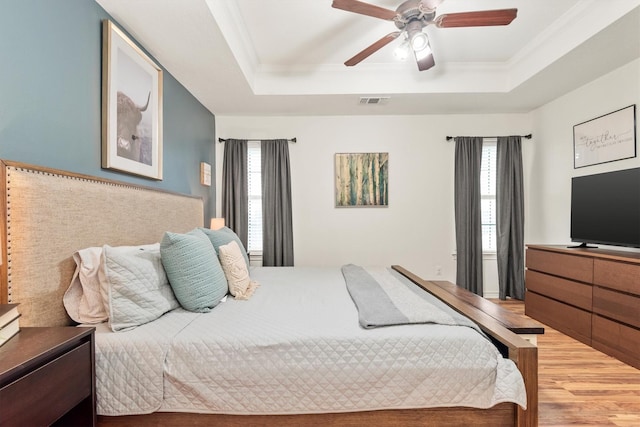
column 592, row 295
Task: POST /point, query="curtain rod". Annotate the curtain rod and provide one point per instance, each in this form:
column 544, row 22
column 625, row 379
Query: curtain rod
column 294, row 139
column 529, row 136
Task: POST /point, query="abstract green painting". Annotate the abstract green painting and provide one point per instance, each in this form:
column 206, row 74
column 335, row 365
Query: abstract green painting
column 362, row 179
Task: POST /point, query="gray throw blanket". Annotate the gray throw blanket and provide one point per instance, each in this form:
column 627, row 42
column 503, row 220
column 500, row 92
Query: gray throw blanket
column 384, row 297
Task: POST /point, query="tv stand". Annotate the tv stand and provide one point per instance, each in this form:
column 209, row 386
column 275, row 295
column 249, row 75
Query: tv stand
column 592, row 295
column 582, row 245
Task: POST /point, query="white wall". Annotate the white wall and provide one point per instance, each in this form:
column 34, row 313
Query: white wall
column 417, row 229
column 552, row 156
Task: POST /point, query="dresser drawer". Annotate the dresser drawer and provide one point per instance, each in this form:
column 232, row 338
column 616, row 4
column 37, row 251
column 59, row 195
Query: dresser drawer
column 617, row 340
column 618, row 306
column 617, row 275
column 567, row 319
column 575, row 293
column 44, row 395
column 568, row 266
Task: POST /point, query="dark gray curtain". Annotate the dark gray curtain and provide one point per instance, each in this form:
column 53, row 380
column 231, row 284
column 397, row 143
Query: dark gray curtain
column 510, row 217
column 468, row 221
column 277, row 224
column 235, row 188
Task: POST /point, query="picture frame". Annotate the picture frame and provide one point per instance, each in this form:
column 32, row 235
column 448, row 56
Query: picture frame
column 607, row 138
column 131, row 106
column 361, row 180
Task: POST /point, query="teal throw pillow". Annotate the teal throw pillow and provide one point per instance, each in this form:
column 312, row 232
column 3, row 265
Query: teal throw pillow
column 222, row 237
column 193, row 270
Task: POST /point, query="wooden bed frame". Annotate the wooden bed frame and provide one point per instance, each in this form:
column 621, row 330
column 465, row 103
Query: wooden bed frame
column 48, row 214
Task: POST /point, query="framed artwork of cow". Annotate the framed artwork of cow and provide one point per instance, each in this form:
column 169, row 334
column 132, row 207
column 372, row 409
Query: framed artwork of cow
column 131, row 106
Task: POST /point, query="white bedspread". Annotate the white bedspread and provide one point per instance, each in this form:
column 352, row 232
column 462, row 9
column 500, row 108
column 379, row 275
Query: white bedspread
column 296, row 347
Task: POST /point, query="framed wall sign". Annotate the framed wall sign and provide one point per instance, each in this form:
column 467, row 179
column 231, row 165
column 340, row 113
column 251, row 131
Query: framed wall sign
column 362, row 179
column 131, row 106
column 606, row 138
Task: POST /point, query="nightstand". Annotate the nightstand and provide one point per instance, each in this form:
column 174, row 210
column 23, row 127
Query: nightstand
column 47, row 377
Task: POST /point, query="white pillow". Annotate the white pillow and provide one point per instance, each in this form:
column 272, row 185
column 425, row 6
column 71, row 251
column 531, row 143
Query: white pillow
column 85, row 298
column 136, row 285
column 235, row 270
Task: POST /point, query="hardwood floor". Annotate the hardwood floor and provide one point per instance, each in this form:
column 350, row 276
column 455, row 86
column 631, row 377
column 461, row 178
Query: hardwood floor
column 580, row 386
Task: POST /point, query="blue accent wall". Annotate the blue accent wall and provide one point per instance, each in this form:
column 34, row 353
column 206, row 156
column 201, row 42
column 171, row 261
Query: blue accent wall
column 50, row 99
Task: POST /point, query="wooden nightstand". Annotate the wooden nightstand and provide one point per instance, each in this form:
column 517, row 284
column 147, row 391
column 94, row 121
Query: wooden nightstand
column 47, row 377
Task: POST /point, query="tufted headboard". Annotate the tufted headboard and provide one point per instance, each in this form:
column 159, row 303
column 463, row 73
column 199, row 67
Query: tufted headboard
column 49, row 214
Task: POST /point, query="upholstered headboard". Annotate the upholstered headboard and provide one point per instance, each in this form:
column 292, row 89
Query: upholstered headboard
column 49, row 214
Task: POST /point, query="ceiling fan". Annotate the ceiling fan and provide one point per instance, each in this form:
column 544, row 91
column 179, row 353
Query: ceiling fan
column 411, row 17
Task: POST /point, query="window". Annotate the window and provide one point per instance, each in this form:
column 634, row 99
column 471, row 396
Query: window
column 488, row 195
column 254, row 168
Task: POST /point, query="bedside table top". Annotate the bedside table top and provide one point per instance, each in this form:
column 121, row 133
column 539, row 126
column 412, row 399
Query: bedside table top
column 31, row 346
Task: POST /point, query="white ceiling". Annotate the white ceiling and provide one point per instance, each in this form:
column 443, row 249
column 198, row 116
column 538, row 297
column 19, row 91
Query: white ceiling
column 285, row 57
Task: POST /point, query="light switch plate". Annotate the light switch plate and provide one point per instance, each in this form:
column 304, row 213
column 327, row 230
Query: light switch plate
column 205, row 174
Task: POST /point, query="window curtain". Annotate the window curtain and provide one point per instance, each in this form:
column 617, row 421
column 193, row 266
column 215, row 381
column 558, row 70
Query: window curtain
column 277, row 224
column 468, row 220
column 235, row 188
column 510, row 217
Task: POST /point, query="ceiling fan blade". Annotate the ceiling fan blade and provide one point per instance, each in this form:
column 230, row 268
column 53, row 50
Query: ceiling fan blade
column 425, row 62
column 372, row 49
column 365, row 9
column 476, row 19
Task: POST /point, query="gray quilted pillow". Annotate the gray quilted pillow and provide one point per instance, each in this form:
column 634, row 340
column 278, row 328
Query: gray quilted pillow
column 193, row 269
column 136, row 286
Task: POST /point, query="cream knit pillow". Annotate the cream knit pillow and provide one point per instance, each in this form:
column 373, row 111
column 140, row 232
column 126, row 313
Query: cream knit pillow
column 235, row 269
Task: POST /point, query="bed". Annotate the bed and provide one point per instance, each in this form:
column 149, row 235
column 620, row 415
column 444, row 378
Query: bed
column 48, row 215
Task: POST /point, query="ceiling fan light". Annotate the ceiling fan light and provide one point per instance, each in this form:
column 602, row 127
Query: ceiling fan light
column 421, row 54
column 402, row 52
column 419, row 41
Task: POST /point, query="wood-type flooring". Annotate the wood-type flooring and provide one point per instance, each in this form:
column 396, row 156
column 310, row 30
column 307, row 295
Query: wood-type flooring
column 580, row 386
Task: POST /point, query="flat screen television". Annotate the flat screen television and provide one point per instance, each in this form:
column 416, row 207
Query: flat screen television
column 605, row 208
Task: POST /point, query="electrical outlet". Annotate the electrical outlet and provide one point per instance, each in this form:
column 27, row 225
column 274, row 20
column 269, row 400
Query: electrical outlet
column 438, row 270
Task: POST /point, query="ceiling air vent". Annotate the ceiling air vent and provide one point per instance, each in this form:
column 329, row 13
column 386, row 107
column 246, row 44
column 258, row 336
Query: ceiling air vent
column 371, row 100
